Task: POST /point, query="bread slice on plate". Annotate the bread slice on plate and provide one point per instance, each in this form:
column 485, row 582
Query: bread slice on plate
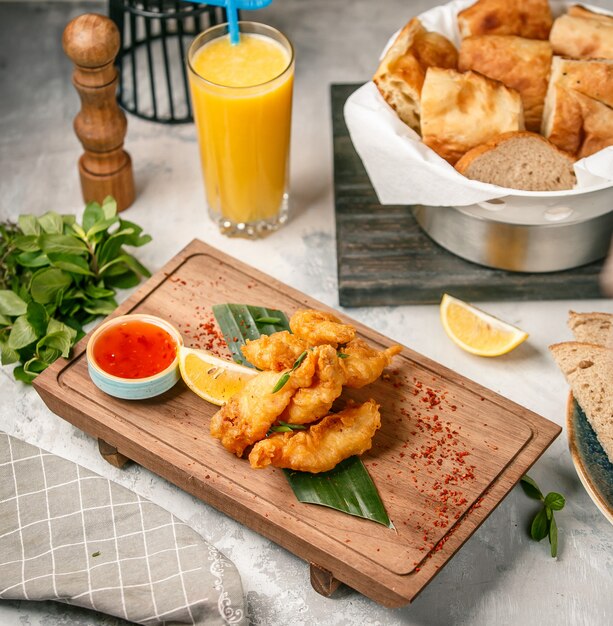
column 462, row 110
column 592, row 328
column 519, row 160
column 520, row 63
column 526, row 18
column 588, row 368
column 582, row 36
column 400, row 75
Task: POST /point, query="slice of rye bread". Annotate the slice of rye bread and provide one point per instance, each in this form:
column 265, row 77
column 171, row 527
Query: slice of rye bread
column 588, row 368
column 519, row 160
column 592, row 327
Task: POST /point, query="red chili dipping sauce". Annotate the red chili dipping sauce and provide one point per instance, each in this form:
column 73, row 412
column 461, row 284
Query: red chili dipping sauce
column 134, row 349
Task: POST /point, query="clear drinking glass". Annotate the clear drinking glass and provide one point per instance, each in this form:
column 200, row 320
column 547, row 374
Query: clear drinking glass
column 243, row 132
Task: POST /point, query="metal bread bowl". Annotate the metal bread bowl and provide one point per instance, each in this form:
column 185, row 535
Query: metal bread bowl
column 529, row 233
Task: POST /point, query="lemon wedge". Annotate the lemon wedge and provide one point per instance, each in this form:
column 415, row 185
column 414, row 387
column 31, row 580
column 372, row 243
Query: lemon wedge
column 213, row 379
column 477, row 332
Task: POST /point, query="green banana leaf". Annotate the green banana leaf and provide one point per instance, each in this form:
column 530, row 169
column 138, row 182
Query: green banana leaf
column 348, row 487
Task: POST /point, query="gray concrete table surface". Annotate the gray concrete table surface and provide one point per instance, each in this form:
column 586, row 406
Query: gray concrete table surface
column 500, row 576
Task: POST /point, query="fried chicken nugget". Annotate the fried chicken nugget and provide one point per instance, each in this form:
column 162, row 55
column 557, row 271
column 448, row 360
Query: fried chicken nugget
column 248, row 415
column 364, row 364
column 324, row 445
column 311, row 403
column 318, row 327
column 277, row 352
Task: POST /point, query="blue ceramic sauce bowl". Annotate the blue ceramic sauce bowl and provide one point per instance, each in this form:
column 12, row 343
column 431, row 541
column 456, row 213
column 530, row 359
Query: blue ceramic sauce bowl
column 134, row 388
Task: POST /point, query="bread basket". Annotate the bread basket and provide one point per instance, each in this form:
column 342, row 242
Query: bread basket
column 506, row 229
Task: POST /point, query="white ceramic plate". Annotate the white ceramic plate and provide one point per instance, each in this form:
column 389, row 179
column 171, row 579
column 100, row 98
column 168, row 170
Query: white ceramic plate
column 592, row 464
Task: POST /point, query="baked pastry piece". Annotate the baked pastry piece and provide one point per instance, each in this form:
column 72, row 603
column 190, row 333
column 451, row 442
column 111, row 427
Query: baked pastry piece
column 588, row 368
column 519, row 160
column 462, row 110
column 520, row 63
column 578, row 111
column 578, row 11
column 583, row 34
column 526, row 18
column 401, row 73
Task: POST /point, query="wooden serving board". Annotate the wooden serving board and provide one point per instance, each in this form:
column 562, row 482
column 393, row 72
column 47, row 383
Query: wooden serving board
column 385, row 258
column 447, row 453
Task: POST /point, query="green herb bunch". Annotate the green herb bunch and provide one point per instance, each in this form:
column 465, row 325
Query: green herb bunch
column 57, row 275
column 544, row 523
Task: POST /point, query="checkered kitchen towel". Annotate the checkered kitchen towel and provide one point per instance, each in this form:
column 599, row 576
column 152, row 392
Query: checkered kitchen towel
column 69, row 535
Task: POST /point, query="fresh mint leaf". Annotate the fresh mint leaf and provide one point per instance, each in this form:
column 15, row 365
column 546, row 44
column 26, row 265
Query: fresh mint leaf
column 56, row 325
column 134, row 264
column 51, row 223
column 98, row 291
column 553, row 537
column 38, row 317
column 100, row 307
column 25, row 377
column 530, row 488
column 22, row 333
column 35, row 365
column 93, row 213
column 539, row 527
column 70, row 263
column 62, row 243
column 27, row 243
column 28, row 224
column 32, row 259
column 544, row 523
column 96, row 232
column 4, row 321
column 122, row 280
column 60, row 340
column 134, row 237
column 109, row 207
column 555, row 501
column 11, row 304
column 7, row 355
column 47, row 283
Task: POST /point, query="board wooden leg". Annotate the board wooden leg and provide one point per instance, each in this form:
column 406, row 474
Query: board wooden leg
column 109, row 453
column 322, row 581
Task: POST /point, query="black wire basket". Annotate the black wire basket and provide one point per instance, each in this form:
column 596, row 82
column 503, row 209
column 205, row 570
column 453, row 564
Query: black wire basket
column 155, row 37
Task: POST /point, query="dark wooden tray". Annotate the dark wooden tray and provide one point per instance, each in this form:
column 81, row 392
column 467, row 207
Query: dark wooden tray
column 384, row 258
column 446, row 455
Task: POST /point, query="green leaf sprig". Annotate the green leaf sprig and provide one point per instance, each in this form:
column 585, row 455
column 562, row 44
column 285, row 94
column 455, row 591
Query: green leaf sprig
column 57, row 275
column 284, row 427
column 544, row 523
column 285, row 376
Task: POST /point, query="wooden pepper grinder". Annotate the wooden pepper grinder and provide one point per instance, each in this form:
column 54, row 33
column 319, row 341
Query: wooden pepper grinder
column 92, row 42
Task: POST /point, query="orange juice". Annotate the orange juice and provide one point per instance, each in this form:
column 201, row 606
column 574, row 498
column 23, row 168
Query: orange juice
column 242, row 96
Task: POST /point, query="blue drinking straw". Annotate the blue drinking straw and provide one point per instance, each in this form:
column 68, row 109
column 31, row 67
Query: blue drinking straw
column 231, row 7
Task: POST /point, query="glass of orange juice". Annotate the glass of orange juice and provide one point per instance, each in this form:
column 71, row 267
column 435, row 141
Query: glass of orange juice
column 242, row 102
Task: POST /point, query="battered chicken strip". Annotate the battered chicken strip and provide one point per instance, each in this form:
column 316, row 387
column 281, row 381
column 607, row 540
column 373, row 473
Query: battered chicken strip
column 318, row 449
column 277, row 352
column 249, row 414
column 317, row 328
column 311, row 403
column 364, row 364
